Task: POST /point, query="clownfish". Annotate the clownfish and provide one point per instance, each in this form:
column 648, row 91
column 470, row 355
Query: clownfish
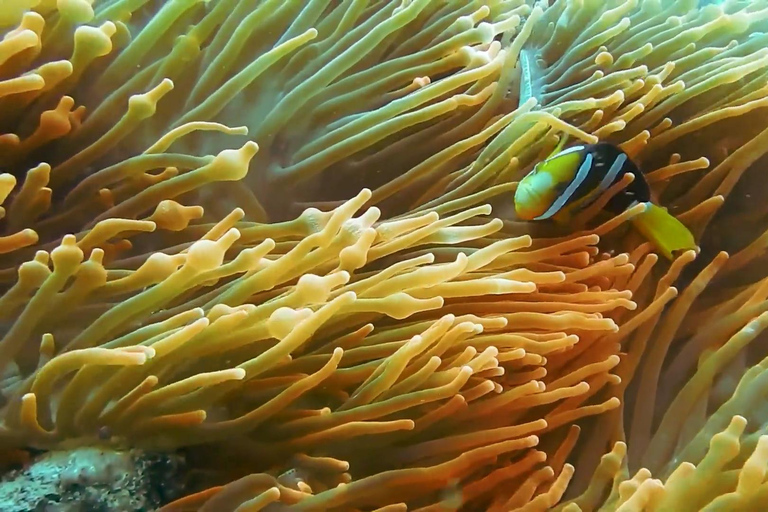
column 571, row 179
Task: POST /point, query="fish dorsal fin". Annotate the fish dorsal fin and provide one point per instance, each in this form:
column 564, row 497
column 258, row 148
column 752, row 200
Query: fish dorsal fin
column 563, row 164
column 560, row 145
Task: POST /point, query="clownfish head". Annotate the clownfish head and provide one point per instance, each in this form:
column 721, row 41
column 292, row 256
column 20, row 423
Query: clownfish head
column 538, row 192
column 534, row 195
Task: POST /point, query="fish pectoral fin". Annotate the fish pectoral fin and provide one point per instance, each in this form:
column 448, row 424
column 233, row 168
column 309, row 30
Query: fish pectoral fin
column 669, row 235
column 563, row 218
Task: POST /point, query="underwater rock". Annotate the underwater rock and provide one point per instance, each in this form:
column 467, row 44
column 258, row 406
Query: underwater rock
column 93, row 480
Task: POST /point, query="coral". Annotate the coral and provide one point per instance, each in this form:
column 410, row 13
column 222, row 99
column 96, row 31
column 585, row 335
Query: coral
column 328, row 317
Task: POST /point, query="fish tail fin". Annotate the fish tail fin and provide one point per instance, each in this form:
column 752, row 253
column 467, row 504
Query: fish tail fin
column 668, row 234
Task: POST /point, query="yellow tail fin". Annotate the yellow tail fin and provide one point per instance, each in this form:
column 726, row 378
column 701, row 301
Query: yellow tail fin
column 668, row 234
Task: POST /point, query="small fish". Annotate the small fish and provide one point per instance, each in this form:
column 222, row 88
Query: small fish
column 571, row 179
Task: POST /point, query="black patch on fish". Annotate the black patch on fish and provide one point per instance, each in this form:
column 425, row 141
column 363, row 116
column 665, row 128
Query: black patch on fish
column 603, row 156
